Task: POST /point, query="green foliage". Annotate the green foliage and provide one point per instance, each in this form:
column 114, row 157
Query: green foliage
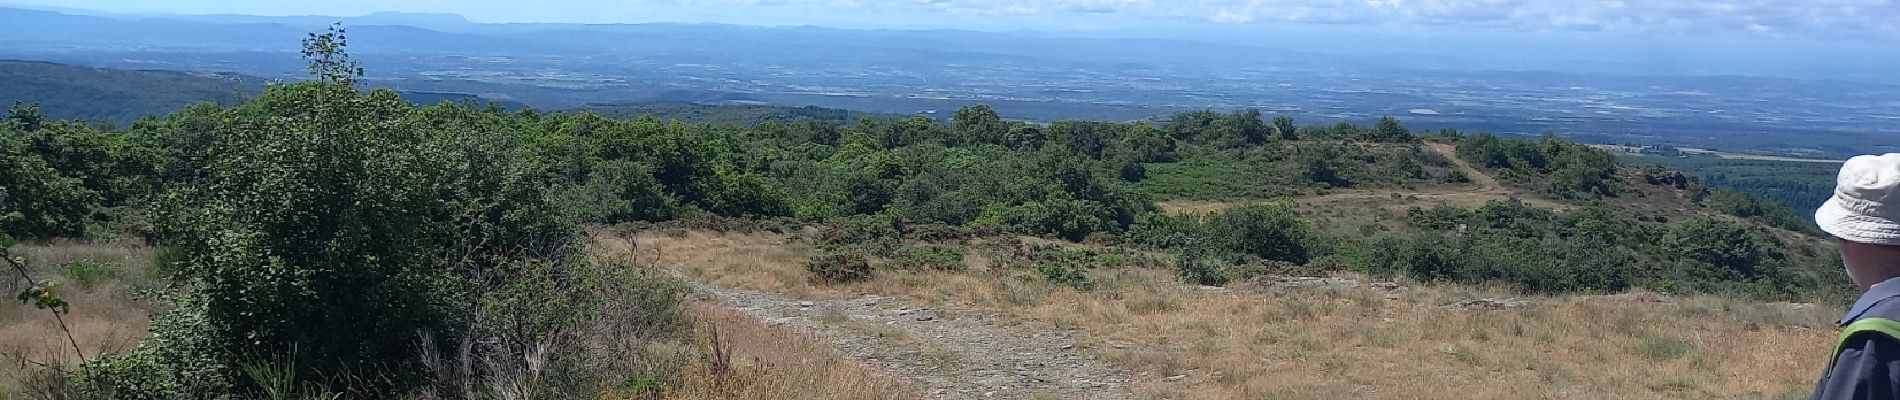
column 1269, row 232
column 341, row 223
column 1284, row 168
column 1193, row 266
column 88, row 273
column 1591, row 249
column 1162, row 231
column 45, row 296
column 330, row 61
column 115, row 95
column 1797, row 185
column 1208, row 178
column 1207, row 248
column 832, row 268
column 1284, row 129
column 1733, row 202
column 1559, row 168
column 1716, row 250
column 37, row 199
column 1065, row 273
column 619, row 191
column 1388, row 130
column 979, row 124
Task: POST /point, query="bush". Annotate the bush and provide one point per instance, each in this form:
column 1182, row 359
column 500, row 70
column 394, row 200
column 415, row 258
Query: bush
column 1065, row 273
column 839, row 268
column 339, row 224
column 937, row 233
column 619, row 191
column 1427, row 257
column 1196, row 268
column 1728, row 250
column 1060, row 214
column 1271, row 232
column 36, row 201
column 1162, row 231
column 859, row 230
column 89, row 273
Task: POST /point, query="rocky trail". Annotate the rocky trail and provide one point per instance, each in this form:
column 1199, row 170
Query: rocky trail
column 946, row 353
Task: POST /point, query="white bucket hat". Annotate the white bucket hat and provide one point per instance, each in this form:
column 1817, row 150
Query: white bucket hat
column 1866, row 203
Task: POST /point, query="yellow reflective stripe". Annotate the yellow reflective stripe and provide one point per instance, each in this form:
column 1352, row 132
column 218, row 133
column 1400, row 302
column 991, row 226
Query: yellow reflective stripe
column 1882, row 326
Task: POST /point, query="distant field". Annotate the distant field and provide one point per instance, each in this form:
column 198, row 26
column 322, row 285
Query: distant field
column 1800, row 183
column 1740, row 156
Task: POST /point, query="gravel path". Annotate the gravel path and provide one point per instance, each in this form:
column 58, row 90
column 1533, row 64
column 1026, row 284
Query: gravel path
column 946, row 353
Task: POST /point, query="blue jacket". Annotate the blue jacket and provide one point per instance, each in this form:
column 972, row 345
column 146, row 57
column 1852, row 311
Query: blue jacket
column 1867, row 363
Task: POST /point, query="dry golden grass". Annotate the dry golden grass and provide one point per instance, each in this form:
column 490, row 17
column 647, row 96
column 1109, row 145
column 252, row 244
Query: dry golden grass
column 1349, row 342
column 752, row 261
column 1357, row 342
column 105, row 317
column 767, row 362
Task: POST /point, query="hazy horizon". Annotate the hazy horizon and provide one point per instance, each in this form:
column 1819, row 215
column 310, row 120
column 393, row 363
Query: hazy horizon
column 1851, row 20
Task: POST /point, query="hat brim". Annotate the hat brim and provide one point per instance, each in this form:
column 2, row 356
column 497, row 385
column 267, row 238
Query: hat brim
column 1851, row 226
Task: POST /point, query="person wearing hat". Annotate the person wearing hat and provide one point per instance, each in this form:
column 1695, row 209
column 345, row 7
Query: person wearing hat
column 1864, row 216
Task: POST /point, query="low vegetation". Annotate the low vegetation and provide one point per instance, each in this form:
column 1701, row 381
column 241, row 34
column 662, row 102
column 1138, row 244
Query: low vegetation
column 1348, row 338
column 323, row 241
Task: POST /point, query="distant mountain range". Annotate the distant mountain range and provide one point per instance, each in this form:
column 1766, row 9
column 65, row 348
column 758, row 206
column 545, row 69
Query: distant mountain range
column 119, row 95
column 451, row 34
column 1665, row 99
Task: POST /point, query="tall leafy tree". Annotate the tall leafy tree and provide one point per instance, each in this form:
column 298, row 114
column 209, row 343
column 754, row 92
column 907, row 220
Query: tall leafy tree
column 1283, row 126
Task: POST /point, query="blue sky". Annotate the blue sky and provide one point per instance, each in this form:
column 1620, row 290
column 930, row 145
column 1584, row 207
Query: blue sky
column 1828, row 20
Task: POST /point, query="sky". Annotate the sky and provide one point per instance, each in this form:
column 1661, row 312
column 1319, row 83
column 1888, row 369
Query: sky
column 1788, row 38
column 1804, row 20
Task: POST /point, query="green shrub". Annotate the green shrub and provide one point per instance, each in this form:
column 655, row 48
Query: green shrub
column 1272, row 232
column 36, row 201
column 859, row 230
column 1162, row 231
column 1196, row 268
column 936, row 233
column 1065, row 274
column 619, row 191
column 89, row 273
column 839, row 268
column 1427, row 257
column 340, row 224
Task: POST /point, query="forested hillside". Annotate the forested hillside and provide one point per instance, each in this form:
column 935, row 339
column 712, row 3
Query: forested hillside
column 103, row 94
column 323, row 238
column 120, row 96
column 1798, row 184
